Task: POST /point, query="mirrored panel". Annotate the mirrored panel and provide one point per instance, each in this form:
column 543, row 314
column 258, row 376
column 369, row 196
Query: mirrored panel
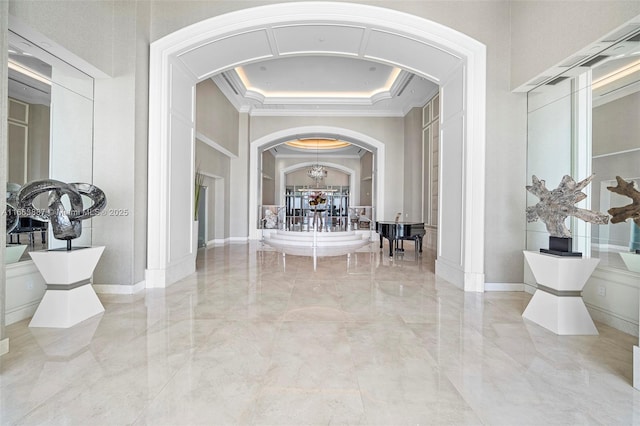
column 588, row 121
column 50, row 132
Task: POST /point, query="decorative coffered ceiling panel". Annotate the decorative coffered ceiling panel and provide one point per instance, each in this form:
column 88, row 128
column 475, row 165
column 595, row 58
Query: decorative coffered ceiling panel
column 318, row 38
column 324, row 76
column 214, row 57
column 419, row 55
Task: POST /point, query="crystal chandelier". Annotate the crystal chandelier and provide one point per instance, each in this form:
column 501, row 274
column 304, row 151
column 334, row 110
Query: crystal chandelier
column 317, row 172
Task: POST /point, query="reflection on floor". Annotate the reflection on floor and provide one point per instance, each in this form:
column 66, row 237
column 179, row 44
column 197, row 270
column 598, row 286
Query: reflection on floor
column 255, row 337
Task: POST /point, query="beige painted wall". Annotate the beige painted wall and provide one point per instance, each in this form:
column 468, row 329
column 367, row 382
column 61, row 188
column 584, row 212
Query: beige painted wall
column 216, row 118
column 545, row 33
column 412, row 209
column 268, row 178
column 38, row 147
column 214, row 163
column 616, row 126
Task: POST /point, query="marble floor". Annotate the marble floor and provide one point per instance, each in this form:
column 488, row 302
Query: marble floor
column 258, row 338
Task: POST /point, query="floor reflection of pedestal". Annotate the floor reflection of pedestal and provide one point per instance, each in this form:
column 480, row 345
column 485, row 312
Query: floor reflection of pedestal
column 557, row 304
column 69, row 298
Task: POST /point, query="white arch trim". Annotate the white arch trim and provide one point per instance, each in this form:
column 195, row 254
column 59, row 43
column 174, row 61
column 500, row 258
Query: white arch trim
column 278, row 137
column 389, row 36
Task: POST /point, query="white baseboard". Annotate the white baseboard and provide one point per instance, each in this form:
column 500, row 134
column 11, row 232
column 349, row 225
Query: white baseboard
column 162, row 278
column 503, row 286
column 21, row 312
column 612, row 320
column 217, row 242
column 238, row 239
column 4, row 346
column 119, row 289
column 450, row 273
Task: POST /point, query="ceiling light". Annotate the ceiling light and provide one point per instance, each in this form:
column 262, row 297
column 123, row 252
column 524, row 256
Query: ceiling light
column 616, row 75
column 242, row 75
column 317, row 144
column 28, row 72
column 316, row 172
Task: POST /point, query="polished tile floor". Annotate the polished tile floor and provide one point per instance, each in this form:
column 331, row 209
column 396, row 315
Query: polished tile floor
column 255, row 337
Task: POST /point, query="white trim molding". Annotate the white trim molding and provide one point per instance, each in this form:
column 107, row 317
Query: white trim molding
column 120, row 289
column 181, row 59
column 504, row 286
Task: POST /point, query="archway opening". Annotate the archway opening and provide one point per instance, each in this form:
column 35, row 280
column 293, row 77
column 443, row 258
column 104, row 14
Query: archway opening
column 453, row 60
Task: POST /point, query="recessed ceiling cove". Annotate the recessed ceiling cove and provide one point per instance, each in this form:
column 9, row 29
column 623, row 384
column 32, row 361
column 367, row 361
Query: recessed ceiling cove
column 320, row 69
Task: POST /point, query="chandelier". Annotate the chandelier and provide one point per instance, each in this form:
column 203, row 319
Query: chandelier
column 317, row 172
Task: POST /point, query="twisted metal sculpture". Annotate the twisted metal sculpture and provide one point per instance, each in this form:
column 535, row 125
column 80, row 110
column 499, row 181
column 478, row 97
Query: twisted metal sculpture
column 66, row 225
column 12, row 202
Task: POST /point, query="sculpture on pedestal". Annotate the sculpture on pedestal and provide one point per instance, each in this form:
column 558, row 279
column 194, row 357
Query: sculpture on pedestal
column 66, row 225
column 558, row 204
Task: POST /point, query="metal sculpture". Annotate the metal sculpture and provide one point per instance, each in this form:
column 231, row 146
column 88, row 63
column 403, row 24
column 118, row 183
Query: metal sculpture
column 12, row 202
column 66, row 225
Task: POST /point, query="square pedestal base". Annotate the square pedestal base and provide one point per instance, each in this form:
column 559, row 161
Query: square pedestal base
column 563, row 315
column 66, row 308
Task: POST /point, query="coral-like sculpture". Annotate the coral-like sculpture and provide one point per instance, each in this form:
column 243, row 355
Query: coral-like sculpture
column 630, row 211
column 556, row 205
column 66, row 225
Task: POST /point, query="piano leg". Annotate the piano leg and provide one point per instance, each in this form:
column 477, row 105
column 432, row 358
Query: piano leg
column 381, row 241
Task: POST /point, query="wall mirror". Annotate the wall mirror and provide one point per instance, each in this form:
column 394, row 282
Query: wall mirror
column 587, row 121
column 50, row 129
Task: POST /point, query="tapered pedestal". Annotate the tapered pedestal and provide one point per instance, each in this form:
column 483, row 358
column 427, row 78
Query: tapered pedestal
column 631, row 261
column 557, row 304
column 69, row 298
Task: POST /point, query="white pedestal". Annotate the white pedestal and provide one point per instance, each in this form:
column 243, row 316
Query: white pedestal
column 14, row 252
column 631, row 260
column 557, row 304
column 69, row 298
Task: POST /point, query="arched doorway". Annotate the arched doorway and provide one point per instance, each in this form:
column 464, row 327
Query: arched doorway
column 453, row 60
column 348, row 135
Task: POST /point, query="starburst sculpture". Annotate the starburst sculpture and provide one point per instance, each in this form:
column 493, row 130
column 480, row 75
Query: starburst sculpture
column 630, row 211
column 556, row 205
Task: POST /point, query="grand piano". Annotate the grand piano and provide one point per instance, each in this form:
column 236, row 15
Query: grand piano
column 396, row 232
